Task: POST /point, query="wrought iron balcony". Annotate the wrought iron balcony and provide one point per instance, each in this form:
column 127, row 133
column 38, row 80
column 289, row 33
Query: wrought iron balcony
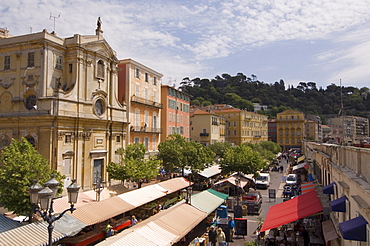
column 146, row 102
column 145, row 129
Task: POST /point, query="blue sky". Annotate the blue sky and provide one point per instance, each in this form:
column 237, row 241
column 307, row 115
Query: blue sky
column 323, row 41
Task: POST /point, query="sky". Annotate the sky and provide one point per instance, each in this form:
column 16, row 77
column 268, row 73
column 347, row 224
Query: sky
column 321, row 41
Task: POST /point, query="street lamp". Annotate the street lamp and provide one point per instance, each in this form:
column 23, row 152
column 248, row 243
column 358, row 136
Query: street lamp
column 98, row 186
column 42, row 200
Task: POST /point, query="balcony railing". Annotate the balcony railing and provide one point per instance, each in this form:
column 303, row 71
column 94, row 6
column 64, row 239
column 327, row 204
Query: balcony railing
column 204, row 134
column 146, row 102
column 145, row 129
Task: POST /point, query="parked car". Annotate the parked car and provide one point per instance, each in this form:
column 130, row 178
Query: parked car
column 291, row 179
column 263, row 180
column 253, row 200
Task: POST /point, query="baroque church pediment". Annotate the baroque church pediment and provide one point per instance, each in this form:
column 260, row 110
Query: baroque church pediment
column 101, row 47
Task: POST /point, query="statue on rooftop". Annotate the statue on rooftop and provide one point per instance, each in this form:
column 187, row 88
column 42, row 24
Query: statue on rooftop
column 99, row 24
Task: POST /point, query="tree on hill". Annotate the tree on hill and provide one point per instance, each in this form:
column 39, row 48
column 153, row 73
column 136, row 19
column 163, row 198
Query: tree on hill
column 133, row 164
column 240, row 90
column 21, row 165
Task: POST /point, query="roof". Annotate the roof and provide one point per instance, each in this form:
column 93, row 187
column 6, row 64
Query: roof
column 207, row 201
column 30, row 235
column 7, row 223
column 60, row 204
column 211, row 171
column 143, row 195
column 292, row 210
column 96, row 212
column 173, row 185
column 244, row 180
column 68, row 225
column 164, row 228
column 219, row 194
column 197, row 111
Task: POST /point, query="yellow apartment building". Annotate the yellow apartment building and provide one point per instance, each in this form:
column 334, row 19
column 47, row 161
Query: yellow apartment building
column 242, row 126
column 290, row 128
column 312, row 130
column 206, row 126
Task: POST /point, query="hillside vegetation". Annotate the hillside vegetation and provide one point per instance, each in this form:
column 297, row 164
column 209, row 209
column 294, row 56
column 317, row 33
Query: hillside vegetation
column 241, row 92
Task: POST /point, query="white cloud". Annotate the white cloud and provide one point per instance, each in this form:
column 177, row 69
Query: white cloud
column 205, row 31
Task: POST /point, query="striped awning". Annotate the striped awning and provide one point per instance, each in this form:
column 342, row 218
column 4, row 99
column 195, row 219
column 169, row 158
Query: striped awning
column 164, row 228
column 31, row 234
column 7, row 224
column 308, row 186
column 144, row 195
column 96, row 212
column 211, row 171
column 207, row 201
column 176, row 184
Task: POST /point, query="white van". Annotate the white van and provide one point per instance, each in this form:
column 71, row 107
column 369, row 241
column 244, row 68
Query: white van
column 263, row 181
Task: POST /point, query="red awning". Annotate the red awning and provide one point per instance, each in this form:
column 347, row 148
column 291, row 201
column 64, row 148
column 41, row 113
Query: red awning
column 292, row 210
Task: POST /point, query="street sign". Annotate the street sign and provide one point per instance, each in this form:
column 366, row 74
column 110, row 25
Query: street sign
column 272, row 193
column 240, row 226
column 238, row 211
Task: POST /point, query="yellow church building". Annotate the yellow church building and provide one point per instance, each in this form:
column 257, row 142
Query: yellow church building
column 61, row 95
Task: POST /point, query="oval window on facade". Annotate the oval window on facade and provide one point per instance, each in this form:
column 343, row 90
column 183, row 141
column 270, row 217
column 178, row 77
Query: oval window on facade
column 99, row 107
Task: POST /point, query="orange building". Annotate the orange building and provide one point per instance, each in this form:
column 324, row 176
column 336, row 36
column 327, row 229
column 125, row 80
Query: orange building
column 175, row 116
column 139, row 88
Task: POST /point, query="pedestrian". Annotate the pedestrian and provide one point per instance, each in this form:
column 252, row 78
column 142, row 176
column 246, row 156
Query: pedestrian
column 231, row 224
column 306, row 237
column 220, row 237
column 133, row 220
column 109, row 231
column 212, row 235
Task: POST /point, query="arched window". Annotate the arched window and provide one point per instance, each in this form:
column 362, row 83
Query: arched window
column 100, row 69
column 31, row 140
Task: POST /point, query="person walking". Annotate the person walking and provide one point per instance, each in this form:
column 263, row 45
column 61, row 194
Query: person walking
column 231, row 224
column 221, row 237
column 306, row 237
column 212, row 235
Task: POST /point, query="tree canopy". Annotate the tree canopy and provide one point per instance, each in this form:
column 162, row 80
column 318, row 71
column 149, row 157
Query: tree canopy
column 242, row 159
column 21, row 164
column 220, row 148
column 177, row 153
column 133, row 164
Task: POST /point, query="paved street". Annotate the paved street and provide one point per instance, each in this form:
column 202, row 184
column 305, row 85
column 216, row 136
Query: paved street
column 276, row 183
column 252, row 220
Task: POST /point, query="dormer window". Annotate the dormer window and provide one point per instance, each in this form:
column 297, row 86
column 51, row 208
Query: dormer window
column 100, row 69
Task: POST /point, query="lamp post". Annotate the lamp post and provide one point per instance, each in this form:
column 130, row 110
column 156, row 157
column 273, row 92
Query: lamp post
column 98, row 185
column 42, row 200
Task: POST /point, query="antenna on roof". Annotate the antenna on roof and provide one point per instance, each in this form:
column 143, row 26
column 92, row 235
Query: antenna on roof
column 54, row 17
column 174, row 83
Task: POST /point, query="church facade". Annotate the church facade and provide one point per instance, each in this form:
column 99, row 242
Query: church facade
column 61, row 95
